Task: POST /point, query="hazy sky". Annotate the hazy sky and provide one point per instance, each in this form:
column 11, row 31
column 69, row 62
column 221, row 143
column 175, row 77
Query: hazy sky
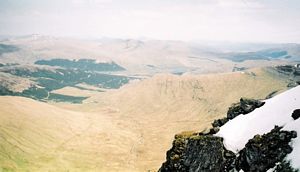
column 231, row 20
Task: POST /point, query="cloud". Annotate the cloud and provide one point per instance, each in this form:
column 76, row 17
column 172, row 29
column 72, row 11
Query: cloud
column 234, row 20
column 80, row 2
column 240, row 4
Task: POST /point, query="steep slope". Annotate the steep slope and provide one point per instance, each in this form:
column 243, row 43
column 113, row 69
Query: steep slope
column 265, row 139
column 276, row 111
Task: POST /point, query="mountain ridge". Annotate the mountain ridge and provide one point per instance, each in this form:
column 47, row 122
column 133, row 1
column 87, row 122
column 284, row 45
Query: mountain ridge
column 252, row 142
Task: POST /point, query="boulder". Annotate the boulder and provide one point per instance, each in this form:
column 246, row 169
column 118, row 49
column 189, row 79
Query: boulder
column 263, row 152
column 296, row 114
column 198, row 153
column 245, row 106
column 219, row 122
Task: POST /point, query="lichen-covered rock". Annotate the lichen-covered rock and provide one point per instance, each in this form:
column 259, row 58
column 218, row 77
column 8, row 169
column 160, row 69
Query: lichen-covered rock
column 245, row 106
column 175, row 156
column 263, row 152
column 204, row 153
column 197, row 153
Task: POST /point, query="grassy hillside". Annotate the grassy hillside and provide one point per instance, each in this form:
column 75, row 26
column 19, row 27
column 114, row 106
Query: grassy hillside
column 36, row 136
column 128, row 129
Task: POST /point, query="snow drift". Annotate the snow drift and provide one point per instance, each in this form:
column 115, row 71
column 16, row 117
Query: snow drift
column 276, row 111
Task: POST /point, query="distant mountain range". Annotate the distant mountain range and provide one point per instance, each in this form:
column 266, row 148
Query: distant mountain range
column 136, row 56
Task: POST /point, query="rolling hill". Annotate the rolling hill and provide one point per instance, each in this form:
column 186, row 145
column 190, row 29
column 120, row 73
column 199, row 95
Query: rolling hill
column 127, row 129
column 148, row 57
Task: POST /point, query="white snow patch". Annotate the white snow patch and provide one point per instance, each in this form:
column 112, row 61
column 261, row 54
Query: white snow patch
column 276, row 111
column 294, row 156
column 273, row 169
column 97, row 61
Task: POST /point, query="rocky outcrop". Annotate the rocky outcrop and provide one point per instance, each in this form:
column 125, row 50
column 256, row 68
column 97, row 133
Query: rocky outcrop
column 293, row 71
column 284, row 166
column 199, row 152
column 245, row 106
column 289, row 69
column 204, row 152
column 220, row 122
column 263, row 152
column 296, row 114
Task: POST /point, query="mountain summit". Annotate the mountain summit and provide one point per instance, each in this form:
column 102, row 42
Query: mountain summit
column 263, row 140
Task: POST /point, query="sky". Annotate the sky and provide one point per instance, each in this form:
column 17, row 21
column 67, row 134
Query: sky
column 206, row 20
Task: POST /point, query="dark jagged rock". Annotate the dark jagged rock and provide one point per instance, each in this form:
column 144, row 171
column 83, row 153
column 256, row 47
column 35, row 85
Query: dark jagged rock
column 245, row 106
column 293, row 73
column 214, row 130
column 209, row 131
column 175, row 156
column 229, row 162
column 292, row 70
column 203, row 152
column 220, row 122
column 263, row 152
column 284, row 167
column 198, row 152
column 296, row 114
